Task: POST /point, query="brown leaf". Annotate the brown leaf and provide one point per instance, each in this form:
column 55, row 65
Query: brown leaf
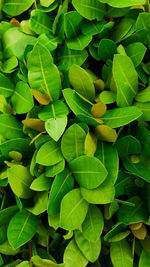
column 140, row 233
column 135, row 226
column 34, row 124
column 41, row 98
column 98, row 109
column 14, row 22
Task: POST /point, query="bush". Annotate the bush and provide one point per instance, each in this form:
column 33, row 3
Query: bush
column 74, row 133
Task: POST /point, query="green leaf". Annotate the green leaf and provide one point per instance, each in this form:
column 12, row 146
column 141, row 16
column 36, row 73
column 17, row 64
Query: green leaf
column 6, row 214
column 143, row 21
column 51, row 42
column 144, row 259
column 123, row 3
column 72, row 21
column 72, row 143
column 20, row 180
column 121, row 116
column 89, row 249
column 107, row 97
column 122, row 30
column 129, row 215
column 73, row 210
column 41, row 183
column 90, row 9
column 55, row 127
column 104, row 152
column 38, row 262
column 62, row 184
column 7, row 249
column 21, row 229
column 46, row 3
column 128, row 145
column 40, row 203
column 79, row 42
column 73, row 256
column 15, row 42
column 51, row 171
column 103, row 194
column 93, row 224
column 89, row 172
column 6, row 86
column 116, row 229
column 92, row 27
column 145, row 109
column 22, row 98
column 56, row 110
column 76, row 104
column 139, row 55
column 121, row 254
column 39, row 66
column 49, row 154
column 82, row 82
column 9, row 65
column 106, row 49
column 16, row 7
column 143, row 135
column 143, row 96
column 40, row 22
column 126, row 80
column 10, row 127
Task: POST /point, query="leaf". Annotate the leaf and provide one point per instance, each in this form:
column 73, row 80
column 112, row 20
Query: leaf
column 16, row 7
column 41, row 98
column 103, row 194
column 90, row 144
column 89, row 249
column 107, row 97
column 79, row 42
column 22, row 99
column 40, row 22
column 144, row 95
column 72, row 143
column 41, row 183
column 6, row 249
column 98, row 109
column 21, row 229
column 90, row 9
column 120, row 254
column 39, row 66
column 135, row 226
column 128, row 145
column 55, row 127
column 121, row 116
column 56, row 110
column 73, row 210
column 129, row 215
column 145, row 109
column 76, row 104
column 104, row 152
column 138, row 169
column 139, row 55
column 46, row 3
column 72, row 21
column 82, row 82
column 40, row 203
column 92, row 27
column 37, row 261
column 49, row 154
column 93, row 224
column 15, row 42
column 89, row 172
column 10, row 127
column 62, row 184
column 106, row 49
column 140, row 233
column 20, row 180
column 6, row 214
column 6, row 86
column 49, row 41
column 144, row 259
column 124, row 3
column 126, row 80
column 34, row 124
column 105, row 133
column 73, row 256
column 51, row 171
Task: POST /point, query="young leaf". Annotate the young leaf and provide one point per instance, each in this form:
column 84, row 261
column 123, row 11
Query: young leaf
column 20, row 180
column 72, row 143
column 22, row 228
column 126, row 80
column 55, row 127
column 22, row 99
column 82, row 82
column 73, row 210
column 89, row 172
column 62, row 184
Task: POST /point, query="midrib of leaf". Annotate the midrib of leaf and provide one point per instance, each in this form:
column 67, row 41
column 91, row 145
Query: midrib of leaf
column 7, row 126
column 6, row 89
column 43, row 74
column 75, row 207
column 83, row 87
column 123, row 181
column 86, row 172
column 76, row 143
column 91, row 7
column 117, row 117
column 23, row 227
column 72, row 26
column 48, row 154
column 139, row 172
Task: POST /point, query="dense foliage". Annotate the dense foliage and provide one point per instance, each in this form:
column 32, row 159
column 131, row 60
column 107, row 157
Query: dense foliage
column 75, row 133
